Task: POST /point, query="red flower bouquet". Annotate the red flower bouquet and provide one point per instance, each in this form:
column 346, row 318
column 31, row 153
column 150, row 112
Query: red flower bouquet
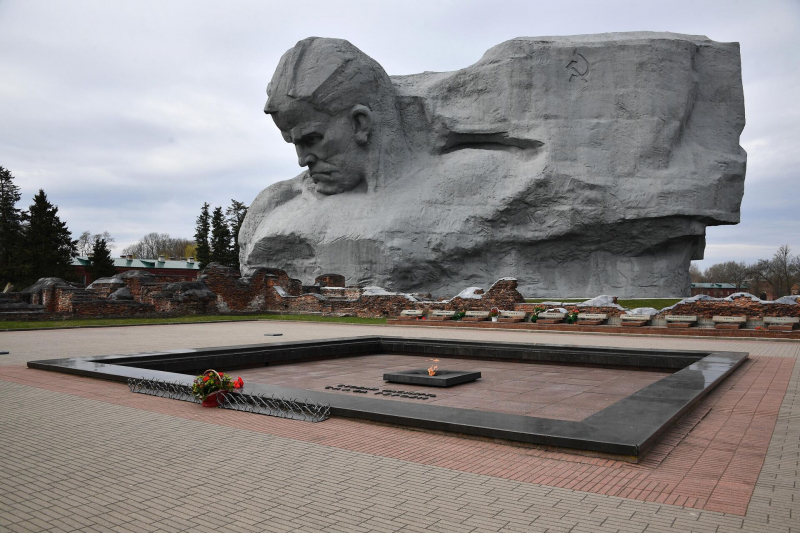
column 572, row 315
column 211, row 387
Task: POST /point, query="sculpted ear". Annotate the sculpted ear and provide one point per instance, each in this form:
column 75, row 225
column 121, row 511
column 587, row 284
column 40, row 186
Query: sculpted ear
column 362, row 123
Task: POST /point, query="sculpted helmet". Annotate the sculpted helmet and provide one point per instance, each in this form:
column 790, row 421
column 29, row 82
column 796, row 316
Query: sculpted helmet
column 331, row 75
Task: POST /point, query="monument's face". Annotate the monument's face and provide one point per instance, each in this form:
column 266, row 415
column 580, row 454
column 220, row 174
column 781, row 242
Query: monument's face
column 327, row 145
column 580, row 165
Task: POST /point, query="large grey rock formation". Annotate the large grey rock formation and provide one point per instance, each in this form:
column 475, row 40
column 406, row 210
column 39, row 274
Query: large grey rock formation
column 581, row 165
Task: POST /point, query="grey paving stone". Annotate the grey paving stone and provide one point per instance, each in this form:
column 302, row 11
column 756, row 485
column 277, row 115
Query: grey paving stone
column 92, row 466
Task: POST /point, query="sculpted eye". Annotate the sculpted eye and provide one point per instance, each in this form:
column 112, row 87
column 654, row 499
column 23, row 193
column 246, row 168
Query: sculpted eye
column 311, row 139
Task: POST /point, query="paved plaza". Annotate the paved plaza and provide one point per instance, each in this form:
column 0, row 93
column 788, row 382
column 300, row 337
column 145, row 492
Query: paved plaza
column 84, row 454
column 563, row 392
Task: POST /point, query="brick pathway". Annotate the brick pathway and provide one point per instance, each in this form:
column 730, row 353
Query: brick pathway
column 86, row 454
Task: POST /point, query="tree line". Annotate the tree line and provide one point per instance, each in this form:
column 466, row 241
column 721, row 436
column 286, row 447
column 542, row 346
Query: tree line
column 782, row 272
column 154, row 244
column 35, row 243
column 216, row 238
column 217, row 234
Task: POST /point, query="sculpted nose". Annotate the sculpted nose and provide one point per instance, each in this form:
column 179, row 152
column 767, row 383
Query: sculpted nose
column 306, row 159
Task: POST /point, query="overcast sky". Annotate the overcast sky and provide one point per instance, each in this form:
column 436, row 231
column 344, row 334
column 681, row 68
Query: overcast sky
column 130, row 115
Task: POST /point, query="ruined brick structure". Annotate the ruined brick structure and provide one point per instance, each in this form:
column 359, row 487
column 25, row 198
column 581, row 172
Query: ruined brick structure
column 271, row 290
column 610, row 311
column 737, row 306
column 330, row 280
column 220, row 289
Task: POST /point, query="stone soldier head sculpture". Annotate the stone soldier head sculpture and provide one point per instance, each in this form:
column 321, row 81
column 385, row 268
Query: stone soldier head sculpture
column 581, row 164
column 334, row 103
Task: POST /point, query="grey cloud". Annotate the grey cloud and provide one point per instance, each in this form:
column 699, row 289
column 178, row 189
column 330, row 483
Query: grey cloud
column 131, row 115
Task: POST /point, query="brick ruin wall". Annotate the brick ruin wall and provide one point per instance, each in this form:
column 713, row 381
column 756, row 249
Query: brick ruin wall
column 110, row 309
column 742, row 306
column 104, row 290
column 610, row 311
column 259, row 292
column 330, row 280
column 80, row 303
column 273, row 291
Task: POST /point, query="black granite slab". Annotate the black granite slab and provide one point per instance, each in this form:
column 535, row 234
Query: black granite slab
column 628, row 427
column 442, row 378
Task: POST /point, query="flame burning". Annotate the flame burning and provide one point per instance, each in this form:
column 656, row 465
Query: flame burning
column 432, row 369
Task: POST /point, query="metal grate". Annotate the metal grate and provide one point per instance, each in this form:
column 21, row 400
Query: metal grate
column 296, row 409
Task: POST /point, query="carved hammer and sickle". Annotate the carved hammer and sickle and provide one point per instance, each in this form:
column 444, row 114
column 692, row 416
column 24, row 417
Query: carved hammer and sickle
column 578, row 66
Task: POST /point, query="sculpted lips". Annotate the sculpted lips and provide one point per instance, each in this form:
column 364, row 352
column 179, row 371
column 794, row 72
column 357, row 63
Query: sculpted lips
column 321, row 174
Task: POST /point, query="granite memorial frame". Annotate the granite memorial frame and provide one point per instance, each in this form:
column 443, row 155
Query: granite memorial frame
column 627, row 428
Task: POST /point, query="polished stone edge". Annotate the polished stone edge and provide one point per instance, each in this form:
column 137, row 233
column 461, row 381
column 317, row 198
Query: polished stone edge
column 627, row 428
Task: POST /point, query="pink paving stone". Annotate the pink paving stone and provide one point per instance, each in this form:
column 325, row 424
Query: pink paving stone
column 565, row 392
column 674, row 467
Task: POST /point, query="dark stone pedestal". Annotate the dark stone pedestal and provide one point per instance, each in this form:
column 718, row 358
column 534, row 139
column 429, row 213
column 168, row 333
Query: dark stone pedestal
column 443, row 378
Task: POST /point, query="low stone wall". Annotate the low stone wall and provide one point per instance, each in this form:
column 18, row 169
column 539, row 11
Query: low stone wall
column 110, row 309
column 610, row 311
column 24, row 316
column 373, row 306
column 742, row 306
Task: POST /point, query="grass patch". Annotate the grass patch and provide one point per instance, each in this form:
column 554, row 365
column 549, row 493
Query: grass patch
column 317, row 318
column 656, row 303
column 100, row 322
column 566, row 300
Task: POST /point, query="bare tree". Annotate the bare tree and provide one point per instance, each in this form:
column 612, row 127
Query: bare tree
column 739, row 273
column 154, row 244
column 783, row 268
column 86, row 242
column 782, row 271
column 696, row 274
column 731, row 272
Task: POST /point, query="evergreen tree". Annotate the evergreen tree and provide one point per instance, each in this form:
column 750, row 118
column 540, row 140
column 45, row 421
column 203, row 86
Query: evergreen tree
column 220, row 239
column 10, row 228
column 49, row 247
column 201, row 237
column 102, row 265
column 236, row 213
